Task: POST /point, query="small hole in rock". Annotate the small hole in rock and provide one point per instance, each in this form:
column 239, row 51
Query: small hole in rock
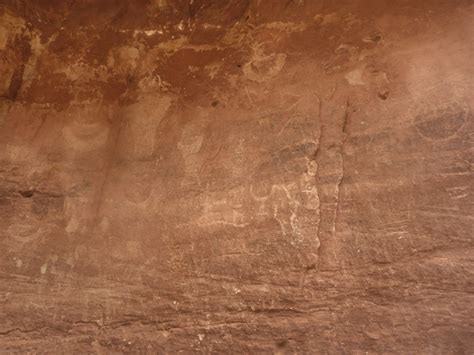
column 376, row 37
column 27, row 193
column 383, row 95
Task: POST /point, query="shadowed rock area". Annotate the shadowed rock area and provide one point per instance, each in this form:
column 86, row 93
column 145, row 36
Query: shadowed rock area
column 236, row 176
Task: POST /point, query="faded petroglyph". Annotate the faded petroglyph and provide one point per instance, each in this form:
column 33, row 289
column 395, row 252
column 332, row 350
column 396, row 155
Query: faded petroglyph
column 263, row 67
column 37, row 49
column 77, row 213
column 442, row 122
column 224, row 209
column 347, row 20
column 18, row 152
column 27, row 231
column 10, row 26
column 328, row 19
column 31, row 218
column 239, row 157
column 287, row 27
column 137, row 191
column 85, row 133
column 459, row 192
column 85, row 137
column 170, row 47
column 190, row 142
column 50, row 267
column 137, row 139
column 213, row 69
column 129, row 193
column 5, row 105
column 123, row 60
column 189, row 145
column 281, row 202
column 159, row 4
column 80, row 72
column 23, row 71
column 285, row 209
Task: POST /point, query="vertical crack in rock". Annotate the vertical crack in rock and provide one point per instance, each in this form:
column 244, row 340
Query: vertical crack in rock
column 341, row 152
column 330, row 176
column 317, row 160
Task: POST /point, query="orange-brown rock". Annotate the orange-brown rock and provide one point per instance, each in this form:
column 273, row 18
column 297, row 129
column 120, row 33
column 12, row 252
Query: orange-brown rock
column 236, row 176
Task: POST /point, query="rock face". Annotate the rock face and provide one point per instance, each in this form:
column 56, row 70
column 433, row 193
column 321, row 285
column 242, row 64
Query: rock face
column 236, row 176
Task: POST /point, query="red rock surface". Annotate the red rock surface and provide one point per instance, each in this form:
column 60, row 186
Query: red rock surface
column 236, row 176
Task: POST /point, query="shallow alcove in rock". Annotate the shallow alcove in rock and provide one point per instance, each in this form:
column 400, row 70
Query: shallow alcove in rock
column 238, row 176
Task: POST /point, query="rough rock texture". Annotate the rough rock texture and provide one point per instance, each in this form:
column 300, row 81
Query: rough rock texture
column 236, row 176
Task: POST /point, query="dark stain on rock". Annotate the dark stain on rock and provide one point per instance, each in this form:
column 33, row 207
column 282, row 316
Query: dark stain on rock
column 374, row 38
column 383, row 95
column 16, row 82
column 27, row 193
column 443, row 122
column 20, row 45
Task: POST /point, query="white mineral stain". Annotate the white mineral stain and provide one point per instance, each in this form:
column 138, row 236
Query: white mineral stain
column 355, row 77
column 43, row 269
column 72, row 225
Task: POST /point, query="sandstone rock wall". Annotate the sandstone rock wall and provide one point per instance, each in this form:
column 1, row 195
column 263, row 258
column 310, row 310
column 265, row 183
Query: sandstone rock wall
column 236, row 176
